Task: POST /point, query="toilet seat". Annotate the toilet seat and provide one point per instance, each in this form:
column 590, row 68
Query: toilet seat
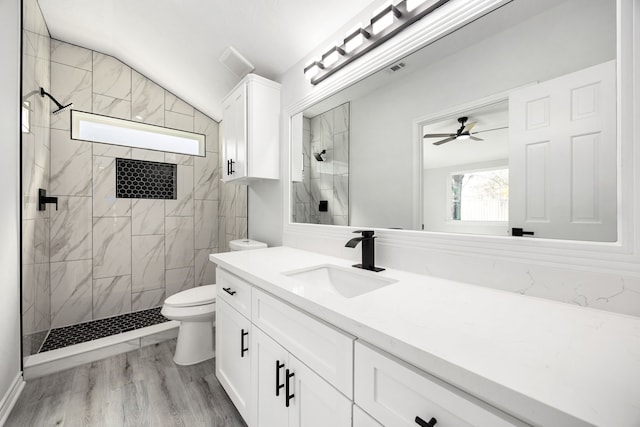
column 200, row 295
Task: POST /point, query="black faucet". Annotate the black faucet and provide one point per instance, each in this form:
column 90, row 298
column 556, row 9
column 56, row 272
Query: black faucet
column 368, row 252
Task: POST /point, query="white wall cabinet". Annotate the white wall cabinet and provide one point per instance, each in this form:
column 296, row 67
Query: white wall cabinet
column 250, row 131
column 233, row 356
column 286, row 393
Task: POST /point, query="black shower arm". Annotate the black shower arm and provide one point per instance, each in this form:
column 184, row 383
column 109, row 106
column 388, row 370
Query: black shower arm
column 43, row 93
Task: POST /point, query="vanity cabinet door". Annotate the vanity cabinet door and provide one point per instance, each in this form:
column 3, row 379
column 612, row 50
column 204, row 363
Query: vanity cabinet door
column 395, row 394
column 362, row 419
column 268, row 382
column 315, row 403
column 233, row 355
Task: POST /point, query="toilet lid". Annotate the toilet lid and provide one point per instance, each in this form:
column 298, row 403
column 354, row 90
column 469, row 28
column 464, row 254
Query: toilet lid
column 200, row 295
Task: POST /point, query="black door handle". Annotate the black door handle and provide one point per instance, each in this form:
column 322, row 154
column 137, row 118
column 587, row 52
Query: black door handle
column 288, row 396
column 228, row 168
column 231, row 162
column 422, row 423
column 229, row 291
column 278, row 385
column 242, row 349
column 519, row 232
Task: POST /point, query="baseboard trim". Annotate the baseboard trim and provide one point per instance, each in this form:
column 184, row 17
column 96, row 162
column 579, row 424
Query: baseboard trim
column 11, row 397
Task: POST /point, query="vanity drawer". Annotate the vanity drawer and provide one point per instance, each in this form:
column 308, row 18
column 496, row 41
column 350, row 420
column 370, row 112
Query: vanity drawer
column 235, row 291
column 395, row 393
column 323, row 348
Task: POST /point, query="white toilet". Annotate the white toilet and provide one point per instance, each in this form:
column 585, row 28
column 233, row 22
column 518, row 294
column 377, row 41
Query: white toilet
column 196, row 309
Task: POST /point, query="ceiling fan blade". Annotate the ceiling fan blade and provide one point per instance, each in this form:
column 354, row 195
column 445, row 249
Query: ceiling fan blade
column 489, row 130
column 469, row 126
column 451, row 138
column 438, row 135
column 476, row 139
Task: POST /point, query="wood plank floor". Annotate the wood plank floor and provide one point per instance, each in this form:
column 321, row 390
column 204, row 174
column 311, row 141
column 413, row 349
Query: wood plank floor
column 140, row 388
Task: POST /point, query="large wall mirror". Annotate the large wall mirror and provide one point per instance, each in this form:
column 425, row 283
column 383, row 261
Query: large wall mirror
column 505, row 126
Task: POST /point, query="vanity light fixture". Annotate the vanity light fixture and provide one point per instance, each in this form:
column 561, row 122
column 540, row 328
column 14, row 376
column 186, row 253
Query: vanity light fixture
column 355, row 40
column 312, row 70
column 332, row 56
column 384, row 19
column 412, row 4
column 383, row 26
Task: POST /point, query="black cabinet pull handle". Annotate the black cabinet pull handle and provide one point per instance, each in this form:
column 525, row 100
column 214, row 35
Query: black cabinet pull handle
column 231, row 165
column 288, row 396
column 278, row 385
column 229, row 291
column 519, row 232
column 227, row 167
column 422, row 423
column 242, row 349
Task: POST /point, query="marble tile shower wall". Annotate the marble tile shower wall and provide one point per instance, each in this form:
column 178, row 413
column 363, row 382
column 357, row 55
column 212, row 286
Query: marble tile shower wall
column 35, row 174
column 328, row 180
column 301, row 191
column 111, row 256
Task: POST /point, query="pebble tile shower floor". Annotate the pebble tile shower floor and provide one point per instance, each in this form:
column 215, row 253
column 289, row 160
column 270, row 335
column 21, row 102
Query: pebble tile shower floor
column 83, row 332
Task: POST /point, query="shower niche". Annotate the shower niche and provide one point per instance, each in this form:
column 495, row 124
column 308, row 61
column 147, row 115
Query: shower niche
column 140, row 179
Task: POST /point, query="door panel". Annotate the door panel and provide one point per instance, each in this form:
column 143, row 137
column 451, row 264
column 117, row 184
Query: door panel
column 563, row 156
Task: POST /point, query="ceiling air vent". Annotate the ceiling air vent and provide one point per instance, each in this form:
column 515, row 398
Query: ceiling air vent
column 236, row 63
column 397, row 67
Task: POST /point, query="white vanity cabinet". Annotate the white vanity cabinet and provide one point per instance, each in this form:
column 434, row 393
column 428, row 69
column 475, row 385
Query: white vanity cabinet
column 279, row 366
column 250, row 130
column 289, row 394
column 396, row 394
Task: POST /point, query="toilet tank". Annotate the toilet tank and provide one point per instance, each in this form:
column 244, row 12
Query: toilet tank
column 245, row 245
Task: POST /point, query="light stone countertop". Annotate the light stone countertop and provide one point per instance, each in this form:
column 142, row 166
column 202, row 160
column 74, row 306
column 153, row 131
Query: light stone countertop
column 545, row 362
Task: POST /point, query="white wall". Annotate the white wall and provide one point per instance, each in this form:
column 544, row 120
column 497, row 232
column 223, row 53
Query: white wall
column 9, row 193
column 548, row 45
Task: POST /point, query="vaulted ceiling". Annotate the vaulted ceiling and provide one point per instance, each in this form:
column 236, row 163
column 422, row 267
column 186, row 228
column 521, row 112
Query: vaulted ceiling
column 177, row 43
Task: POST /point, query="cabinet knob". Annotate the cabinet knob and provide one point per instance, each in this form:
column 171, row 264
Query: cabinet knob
column 278, row 385
column 422, row 423
column 288, row 396
column 229, row 291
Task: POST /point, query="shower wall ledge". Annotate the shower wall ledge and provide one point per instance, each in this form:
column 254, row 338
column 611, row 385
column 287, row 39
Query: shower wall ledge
column 53, row 361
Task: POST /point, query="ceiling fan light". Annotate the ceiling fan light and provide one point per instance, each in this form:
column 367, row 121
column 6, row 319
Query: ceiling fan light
column 463, row 136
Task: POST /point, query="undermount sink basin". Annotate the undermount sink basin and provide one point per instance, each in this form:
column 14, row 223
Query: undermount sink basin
column 347, row 282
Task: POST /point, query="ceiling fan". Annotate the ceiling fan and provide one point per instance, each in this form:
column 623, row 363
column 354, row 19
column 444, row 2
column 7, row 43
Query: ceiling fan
column 464, row 132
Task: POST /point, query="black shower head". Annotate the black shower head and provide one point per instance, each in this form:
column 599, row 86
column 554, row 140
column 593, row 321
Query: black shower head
column 318, row 156
column 61, row 107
